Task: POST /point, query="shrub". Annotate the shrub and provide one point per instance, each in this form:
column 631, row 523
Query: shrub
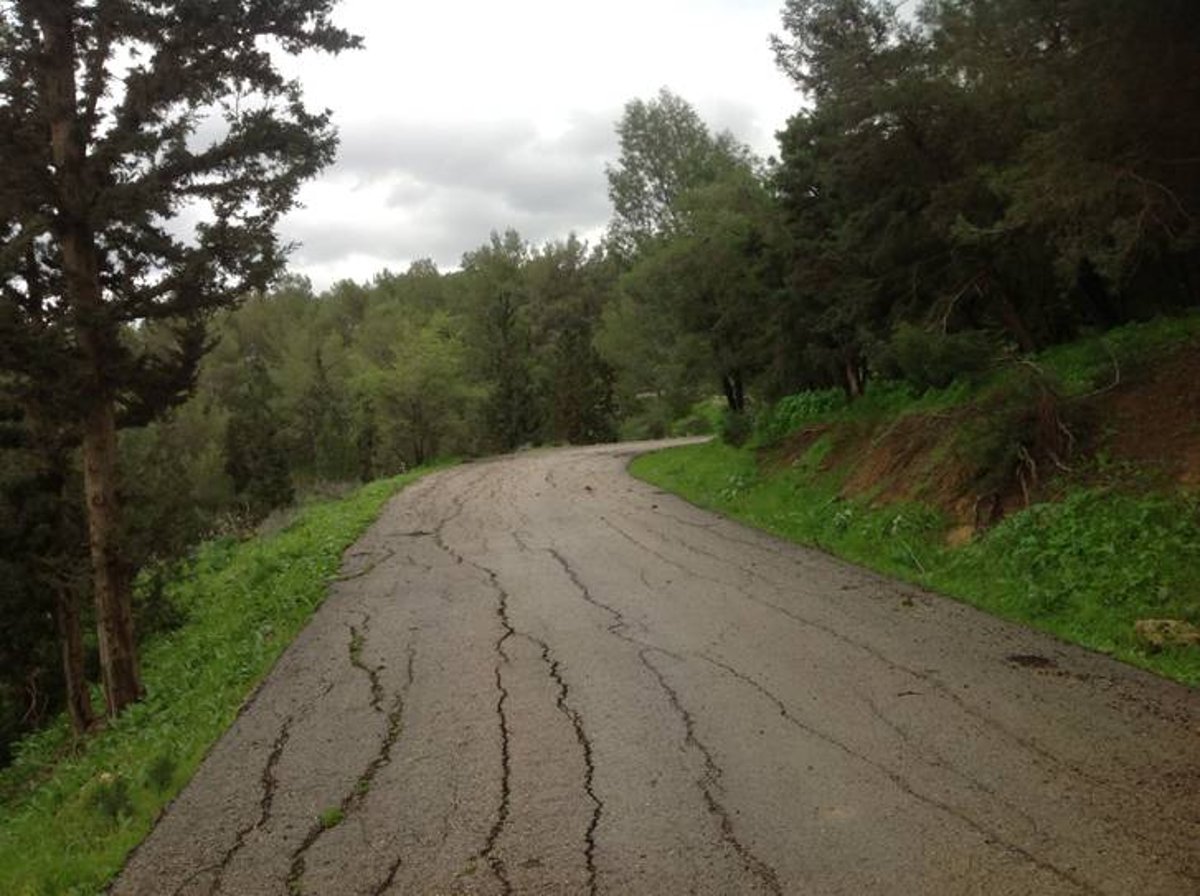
column 933, row 360
column 794, row 411
column 736, row 428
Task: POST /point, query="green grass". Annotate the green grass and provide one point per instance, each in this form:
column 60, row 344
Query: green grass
column 1095, row 361
column 70, row 813
column 1084, row 569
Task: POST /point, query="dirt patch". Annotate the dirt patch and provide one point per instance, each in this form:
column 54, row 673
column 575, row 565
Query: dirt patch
column 1154, row 421
column 1031, row 661
column 982, row 462
column 795, row 446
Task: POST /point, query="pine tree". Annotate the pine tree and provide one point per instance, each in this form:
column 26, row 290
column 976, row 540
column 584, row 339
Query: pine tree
column 101, row 108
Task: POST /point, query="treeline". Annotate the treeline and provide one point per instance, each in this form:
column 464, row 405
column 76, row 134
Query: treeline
column 991, row 177
column 299, row 391
column 976, row 180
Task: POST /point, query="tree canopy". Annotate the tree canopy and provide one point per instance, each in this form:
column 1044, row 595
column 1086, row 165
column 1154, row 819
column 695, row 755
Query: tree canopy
column 120, row 121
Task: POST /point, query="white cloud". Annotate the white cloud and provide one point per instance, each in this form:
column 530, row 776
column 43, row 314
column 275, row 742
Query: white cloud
column 461, row 117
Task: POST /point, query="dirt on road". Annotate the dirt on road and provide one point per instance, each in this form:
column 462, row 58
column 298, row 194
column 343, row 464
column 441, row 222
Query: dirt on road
column 537, row 675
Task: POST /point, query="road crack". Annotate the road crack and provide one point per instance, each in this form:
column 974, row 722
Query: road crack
column 990, row 835
column 710, row 782
column 828, row 630
column 265, row 804
column 352, row 801
column 619, row 623
column 573, row 716
column 386, row 555
column 488, row 853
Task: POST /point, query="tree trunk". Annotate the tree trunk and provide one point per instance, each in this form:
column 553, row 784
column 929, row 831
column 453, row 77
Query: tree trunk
column 70, row 641
column 1010, row 317
column 98, row 342
column 735, row 391
column 110, row 578
column 68, row 622
column 854, row 383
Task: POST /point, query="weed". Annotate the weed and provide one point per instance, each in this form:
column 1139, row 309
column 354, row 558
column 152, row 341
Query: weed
column 331, row 817
column 795, row 411
column 161, row 772
column 111, row 798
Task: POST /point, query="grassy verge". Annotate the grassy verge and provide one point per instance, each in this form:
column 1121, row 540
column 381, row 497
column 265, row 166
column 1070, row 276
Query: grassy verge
column 70, row 813
column 1084, row 569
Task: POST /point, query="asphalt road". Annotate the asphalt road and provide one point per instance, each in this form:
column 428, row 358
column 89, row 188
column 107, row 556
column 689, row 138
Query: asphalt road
column 537, row 675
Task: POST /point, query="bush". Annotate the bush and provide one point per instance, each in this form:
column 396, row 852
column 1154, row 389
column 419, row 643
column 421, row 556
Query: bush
column 934, row 360
column 794, row 411
column 702, row 419
column 736, row 428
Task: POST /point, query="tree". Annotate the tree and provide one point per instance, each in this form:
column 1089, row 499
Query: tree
column 254, row 456
column 417, row 388
column 666, row 148
column 101, row 108
column 1019, row 167
column 568, row 287
column 498, row 332
column 695, row 225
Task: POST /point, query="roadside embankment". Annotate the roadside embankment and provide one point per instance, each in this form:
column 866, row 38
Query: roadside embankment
column 1061, row 491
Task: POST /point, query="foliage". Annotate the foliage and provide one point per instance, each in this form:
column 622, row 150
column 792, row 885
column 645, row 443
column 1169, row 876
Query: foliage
column 1096, row 553
column 72, row 810
column 149, row 152
column 792, row 412
column 698, row 231
column 977, row 175
column 1102, row 359
column 934, row 360
column 736, row 427
column 666, row 150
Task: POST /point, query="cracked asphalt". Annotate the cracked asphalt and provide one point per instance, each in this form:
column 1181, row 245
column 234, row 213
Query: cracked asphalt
column 538, row 675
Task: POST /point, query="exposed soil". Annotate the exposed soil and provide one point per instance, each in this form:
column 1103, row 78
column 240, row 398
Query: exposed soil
column 1150, row 421
column 1155, row 420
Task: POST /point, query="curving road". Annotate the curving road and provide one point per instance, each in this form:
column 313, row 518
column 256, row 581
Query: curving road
column 538, row 675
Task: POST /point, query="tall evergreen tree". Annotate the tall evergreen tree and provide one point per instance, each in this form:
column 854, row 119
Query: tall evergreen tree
column 101, row 105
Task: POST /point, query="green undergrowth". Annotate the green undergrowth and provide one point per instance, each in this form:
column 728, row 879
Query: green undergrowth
column 1085, row 568
column 1077, row 368
column 71, row 812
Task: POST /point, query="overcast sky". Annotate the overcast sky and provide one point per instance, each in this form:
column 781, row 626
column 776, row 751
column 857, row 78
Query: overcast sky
column 465, row 116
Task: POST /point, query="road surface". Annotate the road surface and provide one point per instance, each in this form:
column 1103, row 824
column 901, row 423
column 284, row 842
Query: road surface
column 537, row 675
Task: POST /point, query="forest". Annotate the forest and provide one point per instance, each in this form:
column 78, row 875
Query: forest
column 961, row 187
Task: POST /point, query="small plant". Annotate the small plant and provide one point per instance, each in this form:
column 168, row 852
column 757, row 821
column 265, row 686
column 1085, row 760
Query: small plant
column 161, row 772
column 737, row 484
column 843, row 518
column 736, row 428
column 331, row 817
column 356, row 646
column 111, row 799
column 795, row 411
